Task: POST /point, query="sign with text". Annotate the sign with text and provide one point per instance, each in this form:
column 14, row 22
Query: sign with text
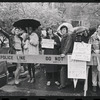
column 76, row 69
column 42, row 59
column 81, row 51
column 48, row 43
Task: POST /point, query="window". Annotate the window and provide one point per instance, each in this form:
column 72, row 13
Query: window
column 76, row 23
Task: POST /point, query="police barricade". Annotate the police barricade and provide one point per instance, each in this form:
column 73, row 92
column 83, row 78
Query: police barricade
column 43, row 59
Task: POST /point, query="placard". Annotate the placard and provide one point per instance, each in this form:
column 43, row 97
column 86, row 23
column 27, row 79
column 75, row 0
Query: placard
column 76, row 68
column 81, row 51
column 48, row 43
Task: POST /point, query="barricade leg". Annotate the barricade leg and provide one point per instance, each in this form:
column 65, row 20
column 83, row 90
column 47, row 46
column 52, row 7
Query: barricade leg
column 86, row 81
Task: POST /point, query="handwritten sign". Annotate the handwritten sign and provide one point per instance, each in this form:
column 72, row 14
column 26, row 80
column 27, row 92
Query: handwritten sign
column 81, row 51
column 76, row 69
column 47, row 43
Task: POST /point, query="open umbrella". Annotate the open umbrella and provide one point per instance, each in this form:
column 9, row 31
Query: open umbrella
column 68, row 25
column 81, row 33
column 79, row 30
column 23, row 23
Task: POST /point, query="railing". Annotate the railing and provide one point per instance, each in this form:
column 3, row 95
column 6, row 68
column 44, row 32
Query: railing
column 42, row 59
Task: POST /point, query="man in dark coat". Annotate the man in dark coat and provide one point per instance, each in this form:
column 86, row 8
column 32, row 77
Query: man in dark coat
column 67, row 43
column 66, row 48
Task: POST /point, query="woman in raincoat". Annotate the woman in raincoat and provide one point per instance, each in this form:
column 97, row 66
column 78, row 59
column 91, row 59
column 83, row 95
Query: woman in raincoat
column 33, row 49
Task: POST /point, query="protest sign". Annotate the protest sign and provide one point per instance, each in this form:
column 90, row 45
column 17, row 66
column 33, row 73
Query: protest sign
column 81, row 51
column 76, row 68
column 47, row 43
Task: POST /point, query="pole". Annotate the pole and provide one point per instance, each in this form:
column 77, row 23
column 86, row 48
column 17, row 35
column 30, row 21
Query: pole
column 86, row 81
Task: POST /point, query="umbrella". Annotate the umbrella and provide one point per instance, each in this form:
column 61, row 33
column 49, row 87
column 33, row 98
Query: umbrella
column 79, row 30
column 81, row 33
column 23, row 23
column 68, row 25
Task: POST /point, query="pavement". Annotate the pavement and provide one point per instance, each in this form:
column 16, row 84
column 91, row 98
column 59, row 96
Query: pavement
column 39, row 88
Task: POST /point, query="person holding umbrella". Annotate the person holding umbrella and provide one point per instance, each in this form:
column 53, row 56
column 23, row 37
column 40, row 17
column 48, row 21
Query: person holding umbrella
column 33, row 49
column 18, row 48
column 30, row 25
column 83, row 34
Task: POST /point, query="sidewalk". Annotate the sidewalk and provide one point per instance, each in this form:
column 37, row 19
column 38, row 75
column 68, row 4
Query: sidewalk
column 39, row 88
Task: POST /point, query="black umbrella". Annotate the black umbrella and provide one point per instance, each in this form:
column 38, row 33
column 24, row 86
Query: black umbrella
column 27, row 23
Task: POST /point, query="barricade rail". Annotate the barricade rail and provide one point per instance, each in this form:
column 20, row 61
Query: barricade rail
column 42, row 59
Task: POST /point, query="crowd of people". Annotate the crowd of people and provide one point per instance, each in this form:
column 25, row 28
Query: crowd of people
column 26, row 41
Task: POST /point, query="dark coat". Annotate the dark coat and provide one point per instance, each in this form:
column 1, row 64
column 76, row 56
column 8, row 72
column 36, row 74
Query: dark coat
column 66, row 44
column 55, row 51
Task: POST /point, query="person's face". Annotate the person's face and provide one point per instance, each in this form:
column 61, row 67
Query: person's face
column 64, row 31
column 19, row 32
column 85, row 34
column 50, row 31
column 30, row 30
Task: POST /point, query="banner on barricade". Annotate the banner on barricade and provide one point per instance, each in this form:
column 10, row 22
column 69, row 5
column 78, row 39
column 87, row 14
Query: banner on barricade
column 81, row 51
column 42, row 59
column 76, row 68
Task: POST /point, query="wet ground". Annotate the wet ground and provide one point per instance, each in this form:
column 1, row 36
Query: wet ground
column 39, row 88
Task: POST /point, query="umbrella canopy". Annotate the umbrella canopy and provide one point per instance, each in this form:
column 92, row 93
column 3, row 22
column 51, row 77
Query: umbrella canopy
column 68, row 25
column 27, row 23
column 79, row 30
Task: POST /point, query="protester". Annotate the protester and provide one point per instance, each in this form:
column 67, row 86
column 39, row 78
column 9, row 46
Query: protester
column 43, row 35
column 33, row 49
column 25, row 48
column 18, row 48
column 65, row 49
column 82, row 34
column 52, row 71
column 95, row 41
